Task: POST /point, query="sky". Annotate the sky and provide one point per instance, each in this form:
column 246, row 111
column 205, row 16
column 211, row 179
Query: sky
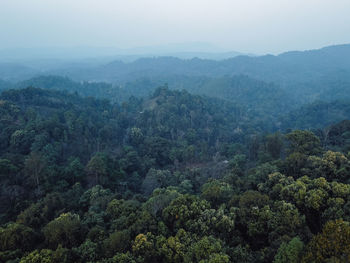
column 254, row 26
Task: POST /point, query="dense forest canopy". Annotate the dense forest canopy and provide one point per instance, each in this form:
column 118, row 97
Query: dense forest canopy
column 178, row 161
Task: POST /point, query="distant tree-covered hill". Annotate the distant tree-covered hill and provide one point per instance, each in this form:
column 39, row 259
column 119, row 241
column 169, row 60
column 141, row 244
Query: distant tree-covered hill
column 290, row 70
column 4, row 85
column 16, row 72
column 264, row 103
column 258, row 96
column 317, row 115
column 308, row 75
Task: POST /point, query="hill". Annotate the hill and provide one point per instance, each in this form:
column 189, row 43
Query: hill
column 309, row 75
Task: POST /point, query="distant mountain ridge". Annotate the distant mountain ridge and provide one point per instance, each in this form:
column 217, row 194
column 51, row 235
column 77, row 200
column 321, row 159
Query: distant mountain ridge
column 267, row 67
column 290, row 66
column 307, row 75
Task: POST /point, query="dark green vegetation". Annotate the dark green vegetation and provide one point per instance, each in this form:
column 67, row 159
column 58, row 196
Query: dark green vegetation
column 170, row 178
column 225, row 163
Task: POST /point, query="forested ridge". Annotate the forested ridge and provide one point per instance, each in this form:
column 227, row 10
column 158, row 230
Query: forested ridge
column 173, row 176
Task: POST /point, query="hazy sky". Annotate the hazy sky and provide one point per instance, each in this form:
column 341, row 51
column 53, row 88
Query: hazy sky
column 257, row 26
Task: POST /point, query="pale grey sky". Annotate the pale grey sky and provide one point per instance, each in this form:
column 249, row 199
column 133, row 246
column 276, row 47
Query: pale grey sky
column 256, row 26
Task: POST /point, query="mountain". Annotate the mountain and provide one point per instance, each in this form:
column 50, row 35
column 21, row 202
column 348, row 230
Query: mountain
column 327, row 58
column 84, row 88
column 16, row 72
column 254, row 95
column 317, row 115
column 304, row 77
column 4, row 85
column 303, row 72
column 70, row 54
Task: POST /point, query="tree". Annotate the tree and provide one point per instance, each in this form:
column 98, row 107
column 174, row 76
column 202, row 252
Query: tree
column 61, row 255
column 155, row 179
column 332, row 245
column 304, row 142
column 286, row 222
column 144, row 246
column 34, row 168
column 40, row 213
column 65, row 230
column 14, row 236
column 184, row 211
column 117, row 242
column 88, row 251
column 74, row 171
column 160, row 199
column 274, row 145
column 94, row 203
column 294, row 164
column 332, row 166
column 216, row 192
column 21, row 140
column 290, row 252
column 7, row 169
column 123, row 258
column 136, row 136
column 97, row 168
column 172, row 249
column 36, row 256
column 207, row 249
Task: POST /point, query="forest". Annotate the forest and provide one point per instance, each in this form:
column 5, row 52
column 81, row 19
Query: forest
column 192, row 166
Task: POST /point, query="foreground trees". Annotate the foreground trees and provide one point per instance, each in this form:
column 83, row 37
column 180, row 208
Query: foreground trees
column 332, row 244
column 176, row 178
column 66, row 230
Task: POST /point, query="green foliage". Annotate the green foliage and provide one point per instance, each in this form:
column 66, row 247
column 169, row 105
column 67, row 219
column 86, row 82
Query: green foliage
column 94, row 203
column 60, row 255
column 216, row 192
column 97, row 168
column 123, row 258
column 143, row 246
column 330, row 245
column 87, row 251
column 155, row 179
column 304, row 142
column 42, row 256
column 183, row 211
column 7, row 168
column 172, row 178
column 10, row 255
column 42, row 212
column 289, row 252
column 65, row 230
column 117, row 242
column 160, row 199
column 274, row 145
column 208, row 249
column 16, row 236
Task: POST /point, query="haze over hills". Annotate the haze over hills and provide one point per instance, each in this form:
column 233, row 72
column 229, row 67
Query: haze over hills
column 306, row 75
column 31, row 56
column 299, row 66
column 302, row 76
